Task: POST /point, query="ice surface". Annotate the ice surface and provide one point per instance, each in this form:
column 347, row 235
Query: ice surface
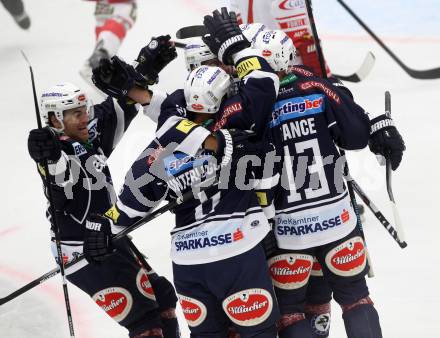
column 62, row 37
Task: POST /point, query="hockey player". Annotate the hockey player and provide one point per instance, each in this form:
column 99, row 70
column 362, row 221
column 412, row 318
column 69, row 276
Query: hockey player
column 76, row 143
column 16, row 9
column 289, row 16
column 314, row 216
column 219, row 230
column 114, row 18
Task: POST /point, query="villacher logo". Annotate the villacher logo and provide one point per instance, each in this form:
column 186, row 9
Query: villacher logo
column 116, row 302
column 290, row 272
column 348, row 258
column 144, row 286
column 248, row 307
column 193, row 310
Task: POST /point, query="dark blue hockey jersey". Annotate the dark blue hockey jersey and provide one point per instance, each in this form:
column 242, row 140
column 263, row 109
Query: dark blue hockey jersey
column 81, row 180
column 310, row 120
column 224, row 221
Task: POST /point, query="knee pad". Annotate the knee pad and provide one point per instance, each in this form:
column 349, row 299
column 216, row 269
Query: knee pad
column 361, row 319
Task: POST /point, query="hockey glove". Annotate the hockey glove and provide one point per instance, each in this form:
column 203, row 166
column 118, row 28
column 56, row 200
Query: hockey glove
column 386, row 140
column 225, row 37
column 43, row 144
column 115, row 77
column 97, row 239
column 233, row 144
column 154, row 57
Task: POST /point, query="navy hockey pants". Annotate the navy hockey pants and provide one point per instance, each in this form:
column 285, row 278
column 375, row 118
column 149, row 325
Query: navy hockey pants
column 235, row 292
column 344, row 265
column 126, row 292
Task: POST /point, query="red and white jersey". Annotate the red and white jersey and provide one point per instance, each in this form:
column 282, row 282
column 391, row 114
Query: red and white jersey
column 289, row 16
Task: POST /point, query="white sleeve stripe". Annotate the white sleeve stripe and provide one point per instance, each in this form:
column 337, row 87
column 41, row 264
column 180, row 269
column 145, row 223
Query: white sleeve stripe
column 60, row 166
column 331, row 124
column 153, row 109
column 259, row 74
column 168, row 125
column 267, row 183
column 129, row 211
column 193, row 141
column 120, row 123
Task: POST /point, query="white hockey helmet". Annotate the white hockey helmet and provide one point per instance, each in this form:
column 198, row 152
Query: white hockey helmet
column 59, row 98
column 205, row 88
column 252, row 30
column 277, row 48
column 196, row 52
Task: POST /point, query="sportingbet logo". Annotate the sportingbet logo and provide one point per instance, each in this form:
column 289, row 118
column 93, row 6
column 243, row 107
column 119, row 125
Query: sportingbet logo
column 193, row 310
column 248, row 307
column 348, row 258
column 116, row 302
column 290, row 272
column 297, row 107
column 179, row 162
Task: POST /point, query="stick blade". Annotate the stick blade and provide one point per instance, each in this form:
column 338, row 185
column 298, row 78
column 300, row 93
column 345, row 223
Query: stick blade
column 363, row 71
column 191, row 32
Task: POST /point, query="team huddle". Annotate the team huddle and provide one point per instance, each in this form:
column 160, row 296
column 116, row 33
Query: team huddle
column 269, row 234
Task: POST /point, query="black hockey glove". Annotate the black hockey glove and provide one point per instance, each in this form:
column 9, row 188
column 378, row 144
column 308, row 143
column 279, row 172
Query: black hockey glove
column 97, row 239
column 386, row 140
column 154, row 57
column 233, row 144
column 225, row 37
column 43, row 144
column 115, row 77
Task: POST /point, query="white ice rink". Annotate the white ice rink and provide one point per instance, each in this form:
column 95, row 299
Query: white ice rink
column 405, row 289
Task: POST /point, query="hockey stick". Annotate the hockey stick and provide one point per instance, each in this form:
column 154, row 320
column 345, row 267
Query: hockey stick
column 359, row 75
column 362, row 72
column 397, row 219
column 346, row 168
column 179, row 44
column 375, row 210
column 427, row 74
column 171, row 205
column 56, row 228
column 191, row 32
